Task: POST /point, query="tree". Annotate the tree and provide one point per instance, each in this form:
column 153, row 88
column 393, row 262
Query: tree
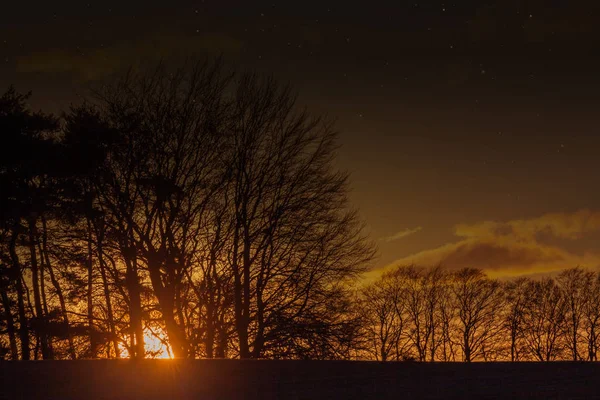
column 295, row 242
column 477, row 299
column 25, row 184
column 421, row 290
column 572, row 283
column 221, row 196
column 383, row 307
column 515, row 293
column 544, row 317
column 161, row 177
column 591, row 315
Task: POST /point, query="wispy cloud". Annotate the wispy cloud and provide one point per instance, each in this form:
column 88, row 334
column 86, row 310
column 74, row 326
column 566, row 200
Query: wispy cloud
column 401, row 234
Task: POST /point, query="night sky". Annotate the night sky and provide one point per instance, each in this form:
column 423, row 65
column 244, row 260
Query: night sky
column 470, row 128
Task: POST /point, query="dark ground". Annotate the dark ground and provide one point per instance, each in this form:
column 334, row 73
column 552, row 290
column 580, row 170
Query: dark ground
column 229, row 379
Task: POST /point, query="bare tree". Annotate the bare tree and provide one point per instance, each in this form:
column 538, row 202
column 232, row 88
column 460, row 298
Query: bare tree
column 515, row 293
column 294, row 242
column 223, row 199
column 383, row 308
column 544, row 319
column 477, row 299
column 591, row 315
column 572, row 283
column 421, row 290
column 162, row 176
column 446, row 316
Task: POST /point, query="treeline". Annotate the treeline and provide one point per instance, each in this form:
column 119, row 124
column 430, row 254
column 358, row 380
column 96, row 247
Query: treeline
column 196, row 207
column 432, row 314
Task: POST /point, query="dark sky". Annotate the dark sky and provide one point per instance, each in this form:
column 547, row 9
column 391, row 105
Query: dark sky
column 470, row 127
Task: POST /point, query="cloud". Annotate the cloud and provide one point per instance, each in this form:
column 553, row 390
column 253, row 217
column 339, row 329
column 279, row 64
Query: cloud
column 516, row 247
column 559, row 225
column 401, row 234
column 98, row 63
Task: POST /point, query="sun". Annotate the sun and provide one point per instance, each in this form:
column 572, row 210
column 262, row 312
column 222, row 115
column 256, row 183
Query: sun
column 154, row 345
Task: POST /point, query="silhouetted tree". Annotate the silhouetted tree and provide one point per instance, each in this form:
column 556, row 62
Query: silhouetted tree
column 26, row 170
column 294, row 242
column 572, row 283
column 544, row 318
column 477, row 299
column 382, row 306
column 591, row 314
column 515, row 293
column 222, row 197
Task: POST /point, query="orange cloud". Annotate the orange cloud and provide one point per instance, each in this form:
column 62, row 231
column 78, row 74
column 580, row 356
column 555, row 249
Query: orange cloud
column 514, row 248
column 560, row 225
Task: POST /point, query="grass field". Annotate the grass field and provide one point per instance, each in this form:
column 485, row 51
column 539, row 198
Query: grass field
column 231, row 379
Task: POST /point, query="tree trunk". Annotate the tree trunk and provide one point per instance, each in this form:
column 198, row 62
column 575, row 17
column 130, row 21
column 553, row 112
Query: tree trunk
column 592, row 344
column 43, row 291
column 56, row 284
column 209, row 340
column 18, row 280
column 109, row 309
column 259, row 341
column 40, row 316
column 512, row 347
column 89, row 294
column 467, row 347
column 134, row 290
column 176, row 340
column 165, row 295
column 10, row 327
column 575, row 327
column 222, row 338
column 240, row 326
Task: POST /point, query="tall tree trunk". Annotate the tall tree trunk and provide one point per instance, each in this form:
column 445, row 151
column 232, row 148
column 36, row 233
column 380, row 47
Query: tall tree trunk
column 176, row 340
column 18, row 280
column 180, row 326
column 222, row 338
column 63, row 309
column 57, row 288
column 135, row 304
column 467, row 346
column 107, row 299
column 211, row 316
column 10, row 326
column 89, row 294
column 165, row 295
column 246, row 285
column 43, row 283
column 574, row 338
column 209, row 340
column 40, row 316
column 43, row 292
column 512, row 347
column 259, row 341
column 592, row 343
column 240, row 326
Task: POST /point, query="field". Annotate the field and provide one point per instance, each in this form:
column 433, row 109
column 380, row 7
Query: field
column 229, row 379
